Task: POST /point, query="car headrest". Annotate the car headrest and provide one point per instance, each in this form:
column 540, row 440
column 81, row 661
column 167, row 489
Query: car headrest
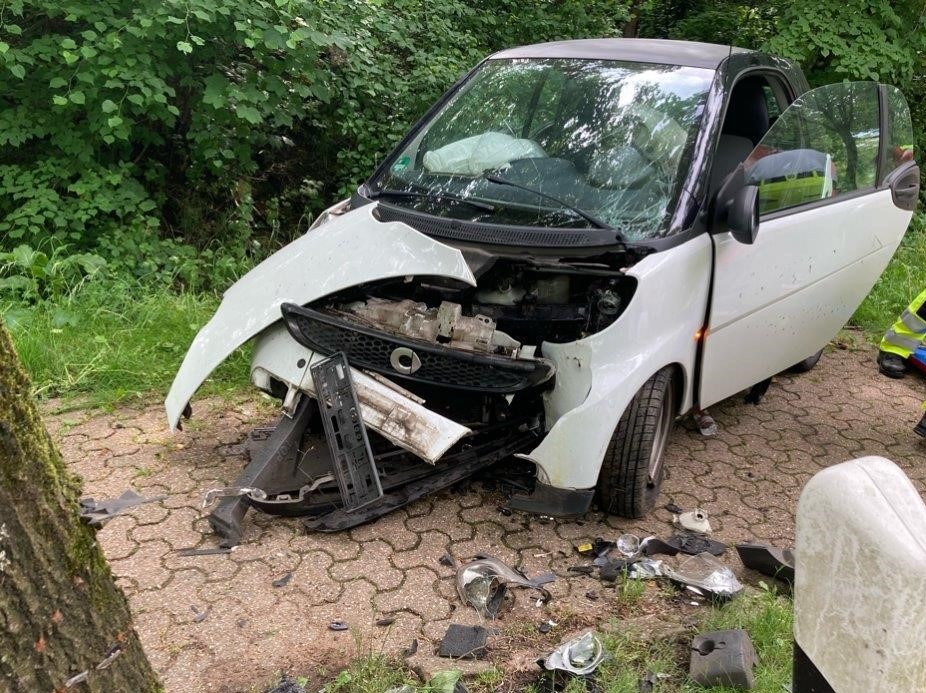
column 747, row 114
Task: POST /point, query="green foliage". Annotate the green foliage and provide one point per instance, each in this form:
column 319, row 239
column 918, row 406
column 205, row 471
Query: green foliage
column 746, row 24
column 904, row 278
column 111, row 341
column 856, row 39
column 29, row 276
column 145, row 133
column 111, row 110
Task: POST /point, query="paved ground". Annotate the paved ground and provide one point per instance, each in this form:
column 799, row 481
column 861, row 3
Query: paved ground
column 747, row 478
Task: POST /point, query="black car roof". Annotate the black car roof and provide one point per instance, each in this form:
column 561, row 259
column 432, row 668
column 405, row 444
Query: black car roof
column 663, row 51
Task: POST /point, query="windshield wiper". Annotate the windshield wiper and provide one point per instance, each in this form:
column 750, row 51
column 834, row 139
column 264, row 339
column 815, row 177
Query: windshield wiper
column 387, row 192
column 581, row 212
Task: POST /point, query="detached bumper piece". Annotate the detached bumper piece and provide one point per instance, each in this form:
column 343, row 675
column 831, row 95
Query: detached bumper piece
column 428, row 363
column 351, row 458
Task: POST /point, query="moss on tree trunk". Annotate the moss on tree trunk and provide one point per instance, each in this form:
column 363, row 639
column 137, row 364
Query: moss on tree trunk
column 60, row 610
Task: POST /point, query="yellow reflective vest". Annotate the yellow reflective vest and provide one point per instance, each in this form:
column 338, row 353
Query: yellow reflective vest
column 907, row 334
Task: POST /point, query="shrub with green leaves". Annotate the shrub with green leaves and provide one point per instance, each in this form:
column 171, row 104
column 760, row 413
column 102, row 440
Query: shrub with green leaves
column 112, row 110
column 207, row 122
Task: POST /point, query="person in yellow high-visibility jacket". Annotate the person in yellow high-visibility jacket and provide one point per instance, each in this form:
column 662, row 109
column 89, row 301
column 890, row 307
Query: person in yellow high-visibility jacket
column 903, row 338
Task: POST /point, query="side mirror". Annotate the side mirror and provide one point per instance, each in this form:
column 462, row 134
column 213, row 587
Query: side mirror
column 743, row 214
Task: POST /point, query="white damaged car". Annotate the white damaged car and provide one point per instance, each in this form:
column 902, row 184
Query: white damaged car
column 579, row 243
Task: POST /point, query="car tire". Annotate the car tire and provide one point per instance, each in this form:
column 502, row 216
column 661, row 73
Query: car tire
column 633, row 466
column 807, row 364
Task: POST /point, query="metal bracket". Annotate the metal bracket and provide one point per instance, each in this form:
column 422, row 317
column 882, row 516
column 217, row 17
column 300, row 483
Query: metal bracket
column 276, row 456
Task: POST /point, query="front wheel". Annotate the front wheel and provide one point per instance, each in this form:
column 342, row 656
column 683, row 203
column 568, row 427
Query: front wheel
column 807, row 364
column 633, row 469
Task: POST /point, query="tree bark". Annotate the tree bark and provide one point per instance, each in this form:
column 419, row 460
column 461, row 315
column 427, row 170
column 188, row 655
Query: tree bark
column 632, row 25
column 61, row 612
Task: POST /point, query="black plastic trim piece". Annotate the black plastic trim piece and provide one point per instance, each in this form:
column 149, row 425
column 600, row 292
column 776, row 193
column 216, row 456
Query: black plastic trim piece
column 351, row 458
column 807, row 678
column 264, row 471
column 454, row 467
column 499, row 234
column 550, row 500
column 440, row 365
column 904, row 183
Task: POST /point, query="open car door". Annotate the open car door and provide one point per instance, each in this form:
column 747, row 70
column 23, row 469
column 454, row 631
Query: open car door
column 836, row 187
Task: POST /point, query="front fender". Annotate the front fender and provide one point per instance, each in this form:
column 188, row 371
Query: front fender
column 347, row 250
column 597, row 377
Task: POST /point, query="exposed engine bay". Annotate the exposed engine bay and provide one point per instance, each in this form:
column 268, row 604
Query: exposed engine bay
column 517, row 304
column 473, row 354
column 446, row 379
column 404, row 383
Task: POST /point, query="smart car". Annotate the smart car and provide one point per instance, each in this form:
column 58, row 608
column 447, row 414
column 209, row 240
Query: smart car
column 579, row 243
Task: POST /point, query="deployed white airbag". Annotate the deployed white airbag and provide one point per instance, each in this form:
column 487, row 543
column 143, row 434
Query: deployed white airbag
column 473, row 155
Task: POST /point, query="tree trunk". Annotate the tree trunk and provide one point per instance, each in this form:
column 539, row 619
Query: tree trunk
column 632, row 25
column 61, row 613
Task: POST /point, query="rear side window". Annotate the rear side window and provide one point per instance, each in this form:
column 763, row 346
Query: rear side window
column 823, row 145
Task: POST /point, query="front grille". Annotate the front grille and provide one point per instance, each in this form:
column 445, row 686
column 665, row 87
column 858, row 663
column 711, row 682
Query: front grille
column 440, row 365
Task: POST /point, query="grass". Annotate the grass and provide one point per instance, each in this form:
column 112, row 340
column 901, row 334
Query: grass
column 373, row 673
column 904, row 278
column 763, row 613
column 115, row 342
column 768, row 618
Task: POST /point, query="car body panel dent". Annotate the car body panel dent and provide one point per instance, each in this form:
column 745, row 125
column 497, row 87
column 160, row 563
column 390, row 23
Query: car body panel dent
column 347, row 250
column 657, row 329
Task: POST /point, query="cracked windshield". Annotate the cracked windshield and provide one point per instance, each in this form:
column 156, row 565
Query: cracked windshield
column 558, row 143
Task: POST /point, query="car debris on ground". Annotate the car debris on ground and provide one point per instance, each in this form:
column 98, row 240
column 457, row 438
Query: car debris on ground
column 99, row 512
column 704, row 575
column 768, row 560
column 579, row 656
column 701, row 573
column 484, row 582
column 464, row 641
column 283, row 580
column 287, row 685
column 707, row 427
column 693, row 521
column 693, row 544
column 723, row 658
column 200, row 616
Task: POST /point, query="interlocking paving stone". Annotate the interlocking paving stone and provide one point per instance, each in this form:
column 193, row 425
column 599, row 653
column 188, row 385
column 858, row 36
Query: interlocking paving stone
column 748, row 478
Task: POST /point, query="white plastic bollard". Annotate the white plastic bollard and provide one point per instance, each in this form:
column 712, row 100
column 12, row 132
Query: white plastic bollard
column 860, row 581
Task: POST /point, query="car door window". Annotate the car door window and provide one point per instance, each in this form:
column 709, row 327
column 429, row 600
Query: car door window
column 898, row 131
column 824, row 145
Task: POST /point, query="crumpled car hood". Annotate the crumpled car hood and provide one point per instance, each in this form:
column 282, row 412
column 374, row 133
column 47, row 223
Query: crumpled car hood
column 348, row 250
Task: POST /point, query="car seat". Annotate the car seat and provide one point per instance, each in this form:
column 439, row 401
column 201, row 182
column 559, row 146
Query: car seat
column 744, row 126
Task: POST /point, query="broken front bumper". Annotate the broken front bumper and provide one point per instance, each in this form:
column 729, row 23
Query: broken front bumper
column 410, row 359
